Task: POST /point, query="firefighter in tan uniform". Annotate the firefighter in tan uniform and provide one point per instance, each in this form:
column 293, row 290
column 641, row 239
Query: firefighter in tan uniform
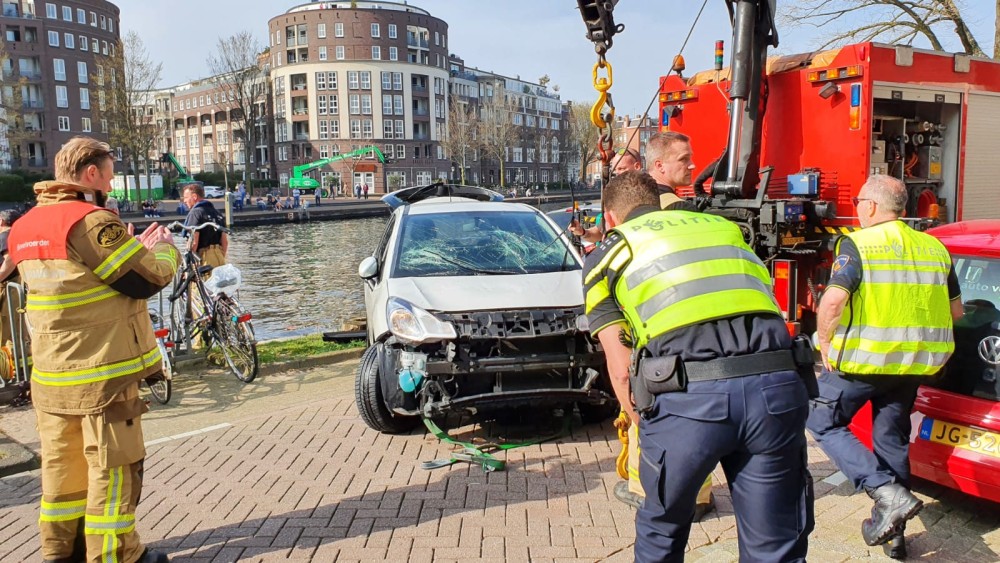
column 92, row 341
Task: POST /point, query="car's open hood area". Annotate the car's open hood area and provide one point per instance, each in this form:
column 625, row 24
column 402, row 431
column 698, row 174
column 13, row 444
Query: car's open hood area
column 491, row 293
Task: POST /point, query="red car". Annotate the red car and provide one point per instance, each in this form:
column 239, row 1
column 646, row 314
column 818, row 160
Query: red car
column 955, row 439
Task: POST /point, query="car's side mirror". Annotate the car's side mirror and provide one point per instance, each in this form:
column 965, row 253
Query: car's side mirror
column 368, row 268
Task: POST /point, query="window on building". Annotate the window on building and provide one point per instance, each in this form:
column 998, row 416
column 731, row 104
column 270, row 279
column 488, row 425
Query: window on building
column 331, row 79
column 397, row 81
column 354, row 104
column 69, row 40
column 400, row 149
column 386, row 104
column 53, row 39
column 321, row 31
column 367, row 130
column 84, row 44
column 62, row 97
column 352, row 80
column 50, row 11
column 393, row 54
column 111, row 24
column 397, row 104
column 335, row 132
column 93, row 19
column 517, row 154
column 104, row 47
column 338, row 29
column 104, row 126
column 321, row 81
column 322, row 53
column 366, row 80
column 334, row 105
column 437, row 39
column 375, row 30
column 104, row 22
column 324, row 131
column 399, row 131
column 85, row 124
column 392, row 31
column 340, row 53
column 324, row 151
column 84, row 98
column 387, row 129
column 376, row 53
column 387, row 81
column 67, row 13
column 81, row 72
column 59, row 69
column 63, row 123
column 366, row 104
column 81, row 16
column 355, row 128
column 95, row 45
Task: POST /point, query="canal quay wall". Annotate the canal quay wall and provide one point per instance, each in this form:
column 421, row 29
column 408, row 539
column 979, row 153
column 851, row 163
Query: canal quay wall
column 330, row 210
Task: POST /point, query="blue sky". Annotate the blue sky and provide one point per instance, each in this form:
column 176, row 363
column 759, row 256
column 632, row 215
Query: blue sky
column 529, row 38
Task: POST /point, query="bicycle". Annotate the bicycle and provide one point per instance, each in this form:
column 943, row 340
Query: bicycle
column 162, row 387
column 216, row 318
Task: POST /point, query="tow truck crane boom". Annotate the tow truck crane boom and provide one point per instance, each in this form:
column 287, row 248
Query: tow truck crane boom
column 753, row 32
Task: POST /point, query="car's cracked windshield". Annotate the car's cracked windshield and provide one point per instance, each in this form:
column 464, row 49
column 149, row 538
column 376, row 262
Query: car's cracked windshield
column 478, row 243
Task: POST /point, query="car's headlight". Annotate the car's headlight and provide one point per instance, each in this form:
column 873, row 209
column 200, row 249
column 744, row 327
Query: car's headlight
column 413, row 325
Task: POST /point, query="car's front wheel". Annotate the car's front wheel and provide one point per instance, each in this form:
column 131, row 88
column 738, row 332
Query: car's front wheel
column 368, row 396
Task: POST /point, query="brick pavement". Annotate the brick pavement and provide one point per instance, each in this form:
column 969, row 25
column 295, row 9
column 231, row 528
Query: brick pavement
column 312, row 482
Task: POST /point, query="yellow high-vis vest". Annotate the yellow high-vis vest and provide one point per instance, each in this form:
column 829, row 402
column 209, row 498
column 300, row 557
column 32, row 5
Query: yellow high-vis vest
column 688, row 268
column 899, row 321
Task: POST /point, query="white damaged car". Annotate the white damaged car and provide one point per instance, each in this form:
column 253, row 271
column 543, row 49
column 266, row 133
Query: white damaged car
column 474, row 304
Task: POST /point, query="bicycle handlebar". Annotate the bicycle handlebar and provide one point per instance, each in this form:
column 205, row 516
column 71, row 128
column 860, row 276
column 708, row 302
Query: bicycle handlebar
column 177, row 227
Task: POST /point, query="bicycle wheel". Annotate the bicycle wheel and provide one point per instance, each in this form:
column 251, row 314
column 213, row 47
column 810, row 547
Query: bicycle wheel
column 160, row 385
column 236, row 339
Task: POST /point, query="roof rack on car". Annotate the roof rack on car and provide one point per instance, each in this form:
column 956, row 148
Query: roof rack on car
column 414, row 194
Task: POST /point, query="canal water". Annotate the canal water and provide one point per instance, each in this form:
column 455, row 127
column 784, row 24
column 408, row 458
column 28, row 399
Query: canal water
column 302, row 278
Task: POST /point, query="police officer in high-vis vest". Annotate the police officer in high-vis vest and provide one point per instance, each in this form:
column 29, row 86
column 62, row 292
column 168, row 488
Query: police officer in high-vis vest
column 885, row 326
column 696, row 346
column 92, row 342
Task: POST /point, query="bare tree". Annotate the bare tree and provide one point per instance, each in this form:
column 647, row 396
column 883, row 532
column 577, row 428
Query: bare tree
column 889, row 21
column 125, row 82
column 497, row 131
column 582, row 135
column 242, row 82
column 18, row 120
column 462, row 137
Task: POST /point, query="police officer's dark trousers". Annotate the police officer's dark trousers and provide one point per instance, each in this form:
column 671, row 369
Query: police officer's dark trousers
column 841, row 396
column 755, row 427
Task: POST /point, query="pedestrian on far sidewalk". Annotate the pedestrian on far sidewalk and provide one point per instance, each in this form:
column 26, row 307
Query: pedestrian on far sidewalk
column 885, row 327
column 319, row 195
column 364, row 189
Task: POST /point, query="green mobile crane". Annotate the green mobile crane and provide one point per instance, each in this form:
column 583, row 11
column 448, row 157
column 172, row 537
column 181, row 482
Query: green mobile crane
column 306, row 183
column 183, row 178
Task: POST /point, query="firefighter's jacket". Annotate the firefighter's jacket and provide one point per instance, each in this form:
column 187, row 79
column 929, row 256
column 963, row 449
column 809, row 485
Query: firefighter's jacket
column 88, row 281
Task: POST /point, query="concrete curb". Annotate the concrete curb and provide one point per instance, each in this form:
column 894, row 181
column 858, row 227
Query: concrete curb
column 312, row 361
column 15, row 458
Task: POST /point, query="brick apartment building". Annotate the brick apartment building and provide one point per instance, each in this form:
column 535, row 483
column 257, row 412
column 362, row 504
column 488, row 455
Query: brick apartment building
column 52, row 50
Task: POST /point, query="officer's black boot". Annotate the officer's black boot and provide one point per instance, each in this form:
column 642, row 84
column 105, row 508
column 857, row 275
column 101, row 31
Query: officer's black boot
column 623, row 494
column 894, row 505
column 153, row 557
column 896, row 548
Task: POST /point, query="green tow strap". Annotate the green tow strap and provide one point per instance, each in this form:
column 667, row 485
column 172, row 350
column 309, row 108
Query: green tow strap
column 481, row 454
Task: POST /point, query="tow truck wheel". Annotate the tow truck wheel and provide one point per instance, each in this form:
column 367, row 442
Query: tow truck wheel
column 368, row 397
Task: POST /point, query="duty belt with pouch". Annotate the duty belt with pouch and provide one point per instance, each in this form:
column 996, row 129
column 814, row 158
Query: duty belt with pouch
column 654, row 375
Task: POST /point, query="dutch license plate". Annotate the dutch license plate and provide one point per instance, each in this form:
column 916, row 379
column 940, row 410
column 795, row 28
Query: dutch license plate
column 972, row 439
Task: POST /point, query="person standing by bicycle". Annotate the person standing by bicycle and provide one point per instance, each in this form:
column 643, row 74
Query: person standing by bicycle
column 92, row 343
column 8, row 272
column 209, row 244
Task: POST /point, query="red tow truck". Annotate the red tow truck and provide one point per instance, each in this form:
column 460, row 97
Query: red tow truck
column 797, row 136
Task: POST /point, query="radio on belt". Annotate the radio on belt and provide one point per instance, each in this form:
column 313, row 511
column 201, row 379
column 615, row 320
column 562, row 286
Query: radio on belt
column 804, row 183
